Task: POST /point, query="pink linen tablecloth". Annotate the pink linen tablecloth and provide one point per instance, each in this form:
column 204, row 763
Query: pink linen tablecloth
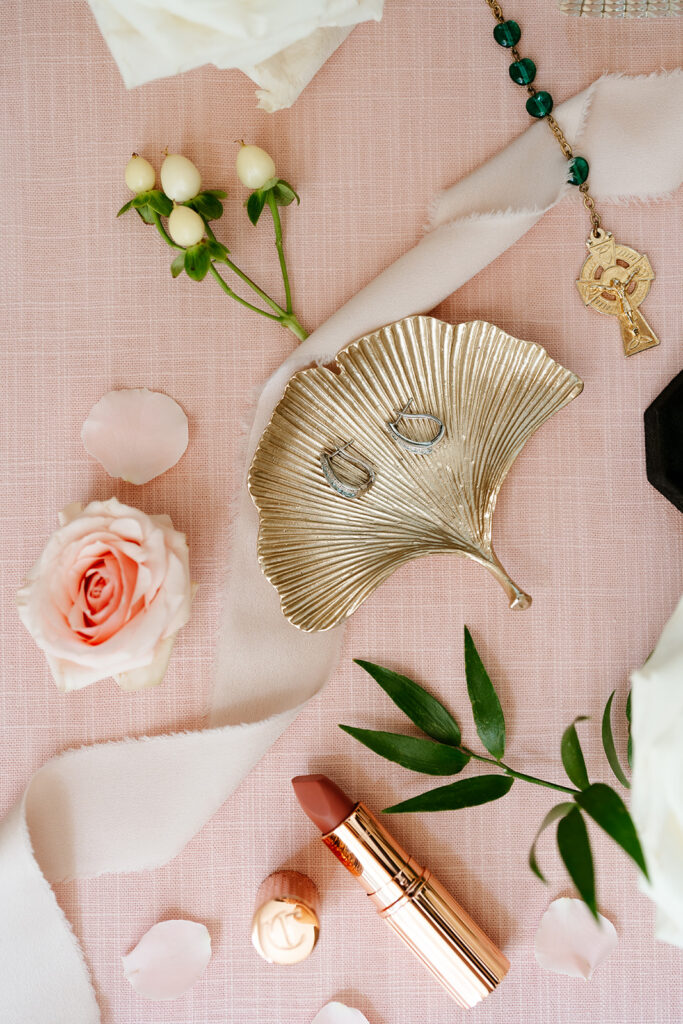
column 403, row 109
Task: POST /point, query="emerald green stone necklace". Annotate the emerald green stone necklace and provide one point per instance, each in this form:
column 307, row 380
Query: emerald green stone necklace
column 614, row 279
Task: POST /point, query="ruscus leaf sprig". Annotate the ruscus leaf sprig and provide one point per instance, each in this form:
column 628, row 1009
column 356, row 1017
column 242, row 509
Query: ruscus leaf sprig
column 189, row 211
column 444, row 753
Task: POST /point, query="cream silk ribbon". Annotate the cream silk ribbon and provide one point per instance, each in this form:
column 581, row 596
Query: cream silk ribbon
column 134, row 804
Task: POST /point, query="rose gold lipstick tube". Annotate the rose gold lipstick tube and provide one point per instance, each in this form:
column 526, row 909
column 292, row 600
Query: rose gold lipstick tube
column 418, row 908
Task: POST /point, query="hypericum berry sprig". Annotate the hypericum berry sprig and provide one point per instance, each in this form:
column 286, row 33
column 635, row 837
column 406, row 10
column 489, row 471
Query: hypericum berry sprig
column 189, row 212
column 445, row 754
column 256, row 169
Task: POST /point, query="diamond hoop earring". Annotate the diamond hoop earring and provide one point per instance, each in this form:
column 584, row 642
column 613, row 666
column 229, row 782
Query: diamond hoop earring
column 345, row 487
column 409, row 443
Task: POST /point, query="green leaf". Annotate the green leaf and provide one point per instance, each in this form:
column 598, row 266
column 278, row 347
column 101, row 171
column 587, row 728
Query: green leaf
column 418, row 755
column 207, row 205
column 219, row 193
column 488, row 714
column 159, row 202
column 608, row 743
column 553, row 814
column 629, row 746
column 414, row 701
column 125, row 208
column 284, row 193
column 572, row 755
column 480, row 789
column 606, row 807
column 255, row 204
column 178, row 264
column 575, row 850
column 145, row 213
column 197, row 261
column 217, row 250
column 155, row 200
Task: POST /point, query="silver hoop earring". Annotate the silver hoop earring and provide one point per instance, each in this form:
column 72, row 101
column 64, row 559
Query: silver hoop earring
column 345, row 487
column 409, row 443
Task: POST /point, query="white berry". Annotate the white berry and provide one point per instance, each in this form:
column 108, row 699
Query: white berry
column 254, row 166
column 140, row 175
column 180, row 179
column 185, row 226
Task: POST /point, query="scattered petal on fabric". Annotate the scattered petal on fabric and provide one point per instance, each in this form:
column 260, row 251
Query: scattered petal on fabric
column 338, row 1013
column 135, row 434
column 570, row 941
column 168, row 959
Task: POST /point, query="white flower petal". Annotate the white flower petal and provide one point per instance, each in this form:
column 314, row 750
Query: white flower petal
column 69, row 676
column 657, row 784
column 71, row 511
column 168, row 959
column 136, row 434
column 337, row 1013
column 570, row 941
column 147, row 676
column 150, row 40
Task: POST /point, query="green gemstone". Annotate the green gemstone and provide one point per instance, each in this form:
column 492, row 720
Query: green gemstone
column 523, row 71
column 540, row 104
column 507, row 34
column 578, row 171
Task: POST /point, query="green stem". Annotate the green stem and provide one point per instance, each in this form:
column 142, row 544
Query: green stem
column 259, row 291
column 519, row 775
column 280, row 250
column 162, row 231
column 243, row 302
column 287, row 320
column 286, row 317
column 280, row 312
column 280, row 315
column 294, row 326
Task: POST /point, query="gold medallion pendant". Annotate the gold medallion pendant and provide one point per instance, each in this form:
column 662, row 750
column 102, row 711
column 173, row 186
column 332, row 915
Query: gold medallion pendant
column 614, row 280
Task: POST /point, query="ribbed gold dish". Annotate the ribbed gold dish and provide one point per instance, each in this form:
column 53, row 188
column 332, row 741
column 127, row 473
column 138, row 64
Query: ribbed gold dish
column 326, row 553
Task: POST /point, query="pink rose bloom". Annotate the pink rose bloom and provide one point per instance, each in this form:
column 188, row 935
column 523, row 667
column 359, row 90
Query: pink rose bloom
column 108, row 595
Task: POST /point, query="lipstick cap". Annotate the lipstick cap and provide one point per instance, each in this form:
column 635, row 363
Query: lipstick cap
column 285, row 926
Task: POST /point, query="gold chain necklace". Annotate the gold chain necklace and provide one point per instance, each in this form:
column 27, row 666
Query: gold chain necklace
column 614, row 278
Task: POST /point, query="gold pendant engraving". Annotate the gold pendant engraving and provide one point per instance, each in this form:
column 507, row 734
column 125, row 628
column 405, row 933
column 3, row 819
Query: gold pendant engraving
column 614, row 280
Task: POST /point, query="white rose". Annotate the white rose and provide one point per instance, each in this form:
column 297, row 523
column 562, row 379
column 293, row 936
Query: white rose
column 108, row 595
column 657, row 785
column 279, row 43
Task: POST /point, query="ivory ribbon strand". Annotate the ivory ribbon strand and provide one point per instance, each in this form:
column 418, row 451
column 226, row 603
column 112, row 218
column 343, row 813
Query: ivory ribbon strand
column 134, row 804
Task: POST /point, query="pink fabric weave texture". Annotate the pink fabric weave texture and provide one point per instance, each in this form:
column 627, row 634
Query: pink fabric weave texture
column 403, row 108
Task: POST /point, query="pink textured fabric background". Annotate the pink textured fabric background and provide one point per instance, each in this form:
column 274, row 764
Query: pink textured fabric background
column 403, row 109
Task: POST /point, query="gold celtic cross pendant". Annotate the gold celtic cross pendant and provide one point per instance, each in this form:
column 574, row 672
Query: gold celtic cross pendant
column 614, row 280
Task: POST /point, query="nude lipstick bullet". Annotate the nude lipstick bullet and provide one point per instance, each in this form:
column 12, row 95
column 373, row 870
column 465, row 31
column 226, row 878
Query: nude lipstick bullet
column 412, row 902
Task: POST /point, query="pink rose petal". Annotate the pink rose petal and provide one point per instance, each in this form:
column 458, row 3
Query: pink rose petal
column 168, row 959
column 136, row 434
column 570, row 941
column 338, row 1013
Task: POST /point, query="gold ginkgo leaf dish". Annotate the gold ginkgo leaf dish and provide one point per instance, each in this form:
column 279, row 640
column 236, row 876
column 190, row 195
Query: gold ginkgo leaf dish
column 400, row 486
